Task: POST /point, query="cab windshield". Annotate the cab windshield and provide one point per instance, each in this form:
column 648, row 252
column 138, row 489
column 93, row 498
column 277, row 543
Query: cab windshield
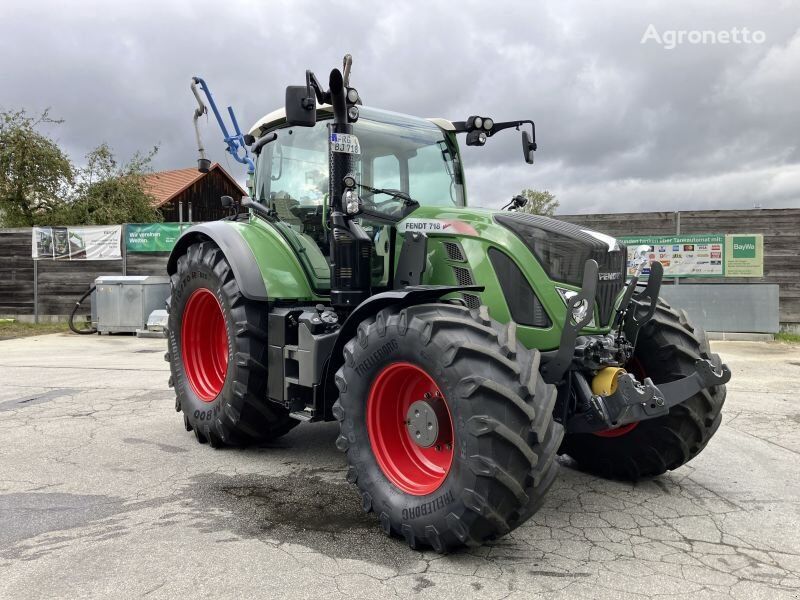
column 399, row 153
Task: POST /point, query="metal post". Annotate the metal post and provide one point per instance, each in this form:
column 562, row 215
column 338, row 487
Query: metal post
column 35, row 291
column 190, row 211
column 677, row 232
column 124, row 249
column 180, row 211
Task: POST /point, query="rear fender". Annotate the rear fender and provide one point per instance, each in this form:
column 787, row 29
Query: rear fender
column 264, row 265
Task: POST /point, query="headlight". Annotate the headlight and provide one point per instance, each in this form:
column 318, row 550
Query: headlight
column 581, row 308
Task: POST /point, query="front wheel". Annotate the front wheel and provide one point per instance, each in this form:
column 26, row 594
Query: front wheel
column 667, row 349
column 447, row 425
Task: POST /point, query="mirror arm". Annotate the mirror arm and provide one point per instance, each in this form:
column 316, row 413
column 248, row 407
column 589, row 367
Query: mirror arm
column 461, row 127
column 516, row 124
column 312, row 83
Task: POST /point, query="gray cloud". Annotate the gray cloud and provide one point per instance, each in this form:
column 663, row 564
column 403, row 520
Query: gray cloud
column 621, row 125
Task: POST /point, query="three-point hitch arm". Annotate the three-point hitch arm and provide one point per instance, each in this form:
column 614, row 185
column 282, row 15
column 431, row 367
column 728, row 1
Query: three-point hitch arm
column 236, row 143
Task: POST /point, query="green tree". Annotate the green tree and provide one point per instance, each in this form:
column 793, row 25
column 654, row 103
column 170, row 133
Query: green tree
column 539, row 203
column 106, row 192
column 35, row 173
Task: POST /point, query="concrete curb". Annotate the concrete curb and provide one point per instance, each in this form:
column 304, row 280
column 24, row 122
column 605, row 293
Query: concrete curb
column 730, row 336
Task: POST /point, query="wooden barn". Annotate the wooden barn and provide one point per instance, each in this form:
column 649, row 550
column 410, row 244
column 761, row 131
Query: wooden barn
column 188, row 195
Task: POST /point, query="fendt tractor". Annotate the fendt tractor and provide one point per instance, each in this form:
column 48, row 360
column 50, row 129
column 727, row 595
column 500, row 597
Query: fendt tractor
column 461, row 350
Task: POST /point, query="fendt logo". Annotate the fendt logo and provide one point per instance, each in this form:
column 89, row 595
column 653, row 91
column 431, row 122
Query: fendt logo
column 613, row 276
column 744, row 247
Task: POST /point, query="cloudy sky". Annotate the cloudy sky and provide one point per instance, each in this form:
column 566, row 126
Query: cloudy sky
column 622, row 125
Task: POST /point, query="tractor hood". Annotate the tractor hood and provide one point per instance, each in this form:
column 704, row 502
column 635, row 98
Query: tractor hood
column 563, row 248
column 560, row 249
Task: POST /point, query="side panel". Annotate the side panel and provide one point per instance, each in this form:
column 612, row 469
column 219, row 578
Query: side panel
column 264, row 265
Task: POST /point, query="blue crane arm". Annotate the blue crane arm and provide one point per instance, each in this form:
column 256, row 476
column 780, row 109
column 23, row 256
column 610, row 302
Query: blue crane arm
column 236, row 145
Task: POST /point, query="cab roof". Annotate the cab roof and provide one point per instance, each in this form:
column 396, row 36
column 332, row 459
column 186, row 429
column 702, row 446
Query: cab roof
column 278, row 117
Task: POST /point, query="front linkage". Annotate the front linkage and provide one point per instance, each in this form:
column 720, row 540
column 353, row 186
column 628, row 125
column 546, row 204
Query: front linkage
column 595, row 393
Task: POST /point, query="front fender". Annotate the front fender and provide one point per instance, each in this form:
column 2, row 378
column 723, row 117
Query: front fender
column 407, row 296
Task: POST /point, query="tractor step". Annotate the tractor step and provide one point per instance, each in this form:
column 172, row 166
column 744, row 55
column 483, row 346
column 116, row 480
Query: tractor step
column 302, row 415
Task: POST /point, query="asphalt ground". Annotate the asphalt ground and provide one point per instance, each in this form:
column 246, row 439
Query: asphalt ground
column 104, row 494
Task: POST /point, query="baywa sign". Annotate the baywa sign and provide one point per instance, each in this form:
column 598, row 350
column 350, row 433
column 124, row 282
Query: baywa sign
column 702, row 255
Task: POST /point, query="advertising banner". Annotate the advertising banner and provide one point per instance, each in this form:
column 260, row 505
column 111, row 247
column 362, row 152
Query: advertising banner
column 85, row 242
column 152, row 237
column 702, row 255
column 744, row 255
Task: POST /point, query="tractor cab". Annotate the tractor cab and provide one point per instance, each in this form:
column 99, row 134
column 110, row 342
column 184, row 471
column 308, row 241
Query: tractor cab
column 403, row 162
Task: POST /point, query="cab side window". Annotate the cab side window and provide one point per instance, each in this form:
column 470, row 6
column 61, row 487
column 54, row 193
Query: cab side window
column 293, row 170
column 386, row 172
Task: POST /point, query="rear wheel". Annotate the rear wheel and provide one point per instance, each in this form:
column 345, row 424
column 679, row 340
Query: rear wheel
column 447, row 425
column 217, row 353
column 667, row 349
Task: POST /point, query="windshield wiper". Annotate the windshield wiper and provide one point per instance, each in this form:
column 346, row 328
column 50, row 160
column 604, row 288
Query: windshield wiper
column 407, row 200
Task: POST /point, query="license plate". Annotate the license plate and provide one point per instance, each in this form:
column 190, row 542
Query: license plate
column 345, row 143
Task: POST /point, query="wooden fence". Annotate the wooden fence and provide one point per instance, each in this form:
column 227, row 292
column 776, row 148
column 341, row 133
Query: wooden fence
column 60, row 283
column 49, row 288
column 780, row 226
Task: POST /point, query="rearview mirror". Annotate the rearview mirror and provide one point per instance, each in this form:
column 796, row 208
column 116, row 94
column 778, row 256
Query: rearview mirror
column 301, row 106
column 527, row 147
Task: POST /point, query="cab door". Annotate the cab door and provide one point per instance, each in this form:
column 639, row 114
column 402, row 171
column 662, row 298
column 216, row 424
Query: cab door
column 292, row 181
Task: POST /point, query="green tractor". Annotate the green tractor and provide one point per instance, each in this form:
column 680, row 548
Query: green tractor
column 460, row 349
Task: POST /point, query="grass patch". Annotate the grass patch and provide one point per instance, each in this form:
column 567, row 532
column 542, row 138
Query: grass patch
column 787, row 338
column 10, row 329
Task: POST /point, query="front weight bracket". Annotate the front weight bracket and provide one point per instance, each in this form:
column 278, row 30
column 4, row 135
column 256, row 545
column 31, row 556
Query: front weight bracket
column 634, row 401
column 642, row 306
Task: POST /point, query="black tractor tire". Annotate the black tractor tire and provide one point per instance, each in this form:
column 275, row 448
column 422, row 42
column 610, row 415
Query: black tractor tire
column 667, row 349
column 235, row 411
column 504, row 436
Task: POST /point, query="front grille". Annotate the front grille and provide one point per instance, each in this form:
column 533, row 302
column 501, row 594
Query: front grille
column 563, row 248
column 463, row 276
column 608, row 290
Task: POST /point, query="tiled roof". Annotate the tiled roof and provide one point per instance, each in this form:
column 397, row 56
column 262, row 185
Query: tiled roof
column 165, row 185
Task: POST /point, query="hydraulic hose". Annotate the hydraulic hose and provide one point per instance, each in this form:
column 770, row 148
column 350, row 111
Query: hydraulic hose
column 71, row 322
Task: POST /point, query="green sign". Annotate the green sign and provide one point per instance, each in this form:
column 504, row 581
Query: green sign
column 744, row 247
column 152, row 237
column 744, row 255
column 702, row 255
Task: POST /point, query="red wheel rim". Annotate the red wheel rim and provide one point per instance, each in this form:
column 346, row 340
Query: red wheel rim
column 636, row 368
column 204, row 344
column 413, row 469
column 617, row 431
